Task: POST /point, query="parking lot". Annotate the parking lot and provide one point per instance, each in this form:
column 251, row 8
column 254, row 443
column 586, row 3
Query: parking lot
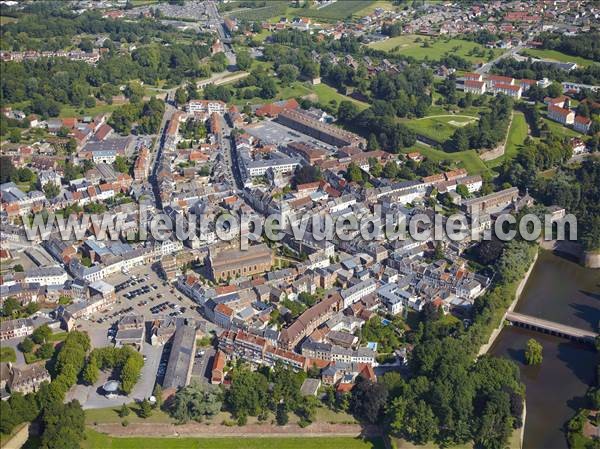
column 143, row 292
column 274, row 133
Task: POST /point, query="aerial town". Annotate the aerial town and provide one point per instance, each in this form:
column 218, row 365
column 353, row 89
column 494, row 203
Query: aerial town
column 202, row 208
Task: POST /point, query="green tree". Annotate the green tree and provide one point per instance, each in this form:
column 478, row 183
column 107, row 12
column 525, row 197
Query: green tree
column 248, row 394
column 26, row 345
column 463, row 191
column 372, row 143
column 368, row 400
column 281, row 415
column 63, row 425
column 41, row 334
column 145, row 410
column 124, row 411
column 158, row 395
column 45, row 351
column 181, row 96
column 243, row 59
column 51, row 190
column 495, row 423
column 533, row 352
column 195, row 402
column 347, row 111
column 420, row 423
column 354, row 173
column 287, row 73
column 121, row 164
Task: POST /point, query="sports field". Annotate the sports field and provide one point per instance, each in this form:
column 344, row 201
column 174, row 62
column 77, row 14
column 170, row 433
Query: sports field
column 95, row 440
column 422, row 47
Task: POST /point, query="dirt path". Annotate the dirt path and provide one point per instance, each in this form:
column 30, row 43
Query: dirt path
column 200, row 430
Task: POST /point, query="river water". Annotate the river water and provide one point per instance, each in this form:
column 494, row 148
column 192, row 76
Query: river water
column 561, row 291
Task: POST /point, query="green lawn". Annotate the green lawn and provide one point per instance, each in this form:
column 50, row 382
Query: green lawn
column 516, row 136
column 327, row 93
column 556, row 56
column 439, row 128
column 560, row 130
column 110, row 415
column 514, row 442
column 295, row 90
column 71, row 111
column 95, row 440
column 469, row 159
column 406, row 45
column 8, row 355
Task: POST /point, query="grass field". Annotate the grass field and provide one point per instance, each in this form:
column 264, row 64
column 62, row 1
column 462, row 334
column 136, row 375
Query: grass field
column 110, row 415
column 273, row 9
column 412, row 45
column 439, row 128
column 560, row 130
column 95, row 440
column 327, row 93
column 516, row 136
column 468, row 160
column 556, row 56
column 337, row 11
column 71, row 111
column 6, row 19
column 514, row 442
column 7, row 354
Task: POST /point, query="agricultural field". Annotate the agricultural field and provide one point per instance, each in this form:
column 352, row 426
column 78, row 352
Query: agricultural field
column 383, row 4
column 517, row 134
column 556, row 56
column 95, row 440
column 439, row 127
column 413, row 45
column 273, row 9
column 469, row 160
column 339, row 10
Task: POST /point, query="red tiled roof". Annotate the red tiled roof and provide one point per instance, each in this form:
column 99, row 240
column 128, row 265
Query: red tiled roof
column 558, row 110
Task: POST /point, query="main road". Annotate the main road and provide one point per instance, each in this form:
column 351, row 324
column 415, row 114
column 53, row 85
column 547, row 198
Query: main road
column 485, row 68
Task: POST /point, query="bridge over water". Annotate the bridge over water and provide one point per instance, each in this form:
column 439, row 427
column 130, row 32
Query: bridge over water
column 551, row 328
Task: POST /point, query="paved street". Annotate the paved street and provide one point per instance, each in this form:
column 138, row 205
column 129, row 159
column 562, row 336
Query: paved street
column 203, row 364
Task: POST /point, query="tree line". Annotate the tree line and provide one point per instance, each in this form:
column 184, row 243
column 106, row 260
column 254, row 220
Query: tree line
column 585, row 45
column 62, row 424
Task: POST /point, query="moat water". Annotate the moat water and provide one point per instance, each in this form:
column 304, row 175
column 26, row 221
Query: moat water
column 562, row 291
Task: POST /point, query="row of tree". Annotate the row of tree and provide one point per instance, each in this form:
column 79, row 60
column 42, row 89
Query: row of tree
column 62, row 424
column 126, row 364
